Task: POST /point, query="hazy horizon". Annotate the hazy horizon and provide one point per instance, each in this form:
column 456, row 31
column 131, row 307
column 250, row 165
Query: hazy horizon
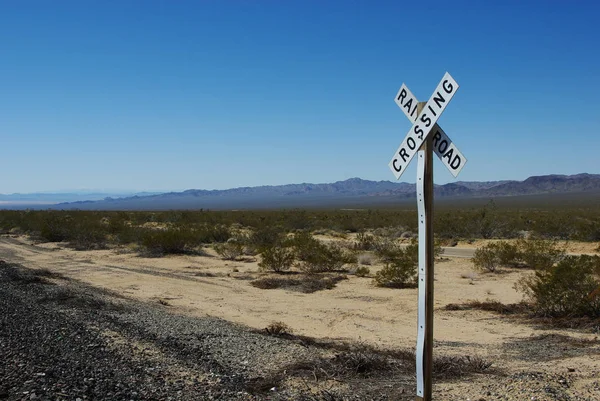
column 125, row 192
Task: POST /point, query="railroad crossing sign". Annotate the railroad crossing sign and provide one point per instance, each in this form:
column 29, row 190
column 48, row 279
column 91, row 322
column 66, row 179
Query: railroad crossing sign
column 425, row 123
column 424, row 138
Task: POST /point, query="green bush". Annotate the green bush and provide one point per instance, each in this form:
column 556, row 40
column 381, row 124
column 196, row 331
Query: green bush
column 317, row 257
column 306, row 245
column 508, row 254
column 388, row 250
column 486, row 258
column 412, row 250
column 540, row 253
column 571, row 288
column 399, row 273
column 277, row 259
column 494, row 254
column 230, row 250
column 265, row 237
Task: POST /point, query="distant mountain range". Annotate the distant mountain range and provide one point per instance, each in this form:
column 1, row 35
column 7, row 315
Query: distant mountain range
column 354, row 191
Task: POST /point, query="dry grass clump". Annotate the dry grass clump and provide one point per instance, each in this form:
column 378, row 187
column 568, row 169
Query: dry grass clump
column 356, row 361
column 490, row 306
column 353, row 361
column 278, row 329
column 458, row 366
column 306, row 283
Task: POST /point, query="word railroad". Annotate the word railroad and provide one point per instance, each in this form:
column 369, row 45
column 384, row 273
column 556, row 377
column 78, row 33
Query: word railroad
column 425, row 123
column 426, row 137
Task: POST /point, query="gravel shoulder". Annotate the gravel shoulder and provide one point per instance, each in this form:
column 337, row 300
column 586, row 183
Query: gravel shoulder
column 64, row 340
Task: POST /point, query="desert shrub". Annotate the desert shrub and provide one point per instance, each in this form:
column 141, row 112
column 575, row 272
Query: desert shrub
column 412, row 250
column 365, row 259
column 318, row 257
column 364, row 242
column 118, row 223
column 508, row 254
column 265, row 237
column 571, row 288
column 486, row 258
column 277, row 259
column 230, row 250
column 398, row 273
column 212, row 233
column 388, row 250
column 362, row 271
column 130, row 235
column 87, row 235
column 169, row 241
column 494, row 254
column 55, row 227
column 540, row 253
column 326, row 258
column 305, row 245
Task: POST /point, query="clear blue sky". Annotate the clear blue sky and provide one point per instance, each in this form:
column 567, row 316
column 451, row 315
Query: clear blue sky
column 170, row 95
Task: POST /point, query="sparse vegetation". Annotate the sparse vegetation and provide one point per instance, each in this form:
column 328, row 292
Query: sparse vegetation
column 461, row 221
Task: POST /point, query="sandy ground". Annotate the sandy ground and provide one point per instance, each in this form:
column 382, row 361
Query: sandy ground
column 353, row 311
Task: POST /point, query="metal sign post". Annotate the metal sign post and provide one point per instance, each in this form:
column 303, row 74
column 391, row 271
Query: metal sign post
column 424, row 138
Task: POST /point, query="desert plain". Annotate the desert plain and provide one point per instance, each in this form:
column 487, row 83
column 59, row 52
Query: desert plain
column 523, row 358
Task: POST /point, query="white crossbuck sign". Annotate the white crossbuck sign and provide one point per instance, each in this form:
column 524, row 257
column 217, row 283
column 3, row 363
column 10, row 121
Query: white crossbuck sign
column 425, row 124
